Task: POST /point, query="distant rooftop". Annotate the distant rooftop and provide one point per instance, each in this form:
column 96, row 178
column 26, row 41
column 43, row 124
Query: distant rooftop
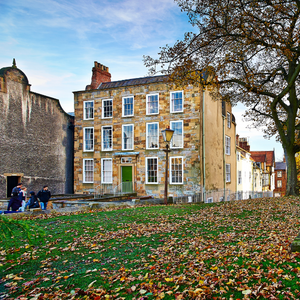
column 280, row 166
column 261, row 156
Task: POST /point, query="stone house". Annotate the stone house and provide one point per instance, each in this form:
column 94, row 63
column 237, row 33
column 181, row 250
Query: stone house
column 36, row 141
column 119, row 146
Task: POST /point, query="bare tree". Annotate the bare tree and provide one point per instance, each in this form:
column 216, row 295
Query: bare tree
column 253, row 48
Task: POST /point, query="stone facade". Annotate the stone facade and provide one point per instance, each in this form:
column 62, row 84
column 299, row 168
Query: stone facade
column 36, row 142
column 103, row 139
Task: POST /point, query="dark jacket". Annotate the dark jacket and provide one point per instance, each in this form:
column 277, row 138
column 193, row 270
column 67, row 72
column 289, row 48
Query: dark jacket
column 15, row 190
column 44, row 196
column 14, row 203
column 33, row 202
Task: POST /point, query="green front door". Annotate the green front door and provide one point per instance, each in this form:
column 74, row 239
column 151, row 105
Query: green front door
column 126, row 179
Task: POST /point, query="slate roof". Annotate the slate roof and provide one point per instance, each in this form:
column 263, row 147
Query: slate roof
column 133, row 81
column 280, row 166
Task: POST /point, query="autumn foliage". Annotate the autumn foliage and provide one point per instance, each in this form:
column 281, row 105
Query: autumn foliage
column 231, row 250
column 251, row 49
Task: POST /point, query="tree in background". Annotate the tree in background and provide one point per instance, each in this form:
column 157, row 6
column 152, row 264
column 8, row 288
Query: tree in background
column 252, row 48
column 298, row 166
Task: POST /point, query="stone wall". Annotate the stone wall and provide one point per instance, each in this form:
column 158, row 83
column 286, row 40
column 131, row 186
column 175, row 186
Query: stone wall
column 36, row 141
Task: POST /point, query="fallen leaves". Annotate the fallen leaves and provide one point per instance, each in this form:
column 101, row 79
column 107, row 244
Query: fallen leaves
column 232, row 250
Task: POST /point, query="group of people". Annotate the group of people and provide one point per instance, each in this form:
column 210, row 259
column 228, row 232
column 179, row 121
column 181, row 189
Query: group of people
column 19, row 202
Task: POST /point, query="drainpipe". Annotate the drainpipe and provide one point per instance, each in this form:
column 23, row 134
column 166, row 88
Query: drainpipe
column 203, row 146
column 224, row 164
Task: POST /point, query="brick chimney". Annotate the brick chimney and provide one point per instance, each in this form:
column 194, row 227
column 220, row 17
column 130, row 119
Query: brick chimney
column 100, row 74
column 243, row 143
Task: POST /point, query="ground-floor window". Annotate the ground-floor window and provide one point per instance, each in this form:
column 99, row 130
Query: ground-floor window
column 228, row 173
column 151, row 169
column 106, row 170
column 176, row 170
column 88, row 170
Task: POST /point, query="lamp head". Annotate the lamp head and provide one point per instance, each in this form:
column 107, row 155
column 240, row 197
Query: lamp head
column 167, row 134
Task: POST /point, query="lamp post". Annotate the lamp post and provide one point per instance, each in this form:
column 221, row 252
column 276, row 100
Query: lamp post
column 167, row 135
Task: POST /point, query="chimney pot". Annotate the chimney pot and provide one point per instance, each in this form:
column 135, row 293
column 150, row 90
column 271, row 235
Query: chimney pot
column 100, row 74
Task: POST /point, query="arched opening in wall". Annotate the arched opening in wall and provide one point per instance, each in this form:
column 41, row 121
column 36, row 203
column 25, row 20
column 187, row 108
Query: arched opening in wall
column 11, row 181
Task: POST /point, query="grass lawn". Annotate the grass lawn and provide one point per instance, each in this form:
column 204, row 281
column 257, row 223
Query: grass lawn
column 233, row 250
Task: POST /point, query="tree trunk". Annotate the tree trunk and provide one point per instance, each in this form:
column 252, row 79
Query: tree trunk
column 292, row 184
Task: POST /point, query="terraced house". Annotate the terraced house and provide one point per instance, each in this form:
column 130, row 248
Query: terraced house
column 119, row 145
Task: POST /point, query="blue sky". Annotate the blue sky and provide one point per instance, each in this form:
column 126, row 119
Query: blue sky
column 55, row 43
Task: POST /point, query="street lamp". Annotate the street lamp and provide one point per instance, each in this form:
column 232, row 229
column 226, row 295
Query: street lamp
column 167, row 135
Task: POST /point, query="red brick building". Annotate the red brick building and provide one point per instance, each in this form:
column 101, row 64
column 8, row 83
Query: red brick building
column 280, row 179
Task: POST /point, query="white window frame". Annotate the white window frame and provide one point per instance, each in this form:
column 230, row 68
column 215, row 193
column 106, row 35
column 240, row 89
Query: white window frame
column 85, row 170
column 102, row 138
column 123, row 107
column 209, row 200
column 103, row 104
column 170, row 171
column 227, row 145
column 87, row 110
column 279, row 185
column 228, row 119
column 103, row 177
column 147, row 106
column 172, row 102
column 176, row 134
column 84, row 139
column 148, row 137
column 279, row 174
column 123, row 132
column 228, row 172
column 147, row 170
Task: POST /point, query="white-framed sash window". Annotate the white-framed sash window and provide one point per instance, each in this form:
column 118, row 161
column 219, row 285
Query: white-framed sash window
column 88, row 139
column 152, row 104
column 176, row 170
column 106, row 170
column 177, row 139
column 228, row 173
column 88, row 112
column 88, row 170
column 107, row 108
column 151, row 170
column 152, row 135
column 228, row 119
column 227, row 144
column 107, row 138
column 176, row 101
column 128, row 106
column 127, row 137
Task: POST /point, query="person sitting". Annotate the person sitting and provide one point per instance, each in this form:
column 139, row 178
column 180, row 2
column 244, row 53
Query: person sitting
column 22, row 196
column 14, row 203
column 33, row 201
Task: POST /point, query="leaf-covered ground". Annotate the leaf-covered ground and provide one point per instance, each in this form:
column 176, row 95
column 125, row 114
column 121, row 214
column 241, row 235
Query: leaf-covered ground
column 233, row 250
